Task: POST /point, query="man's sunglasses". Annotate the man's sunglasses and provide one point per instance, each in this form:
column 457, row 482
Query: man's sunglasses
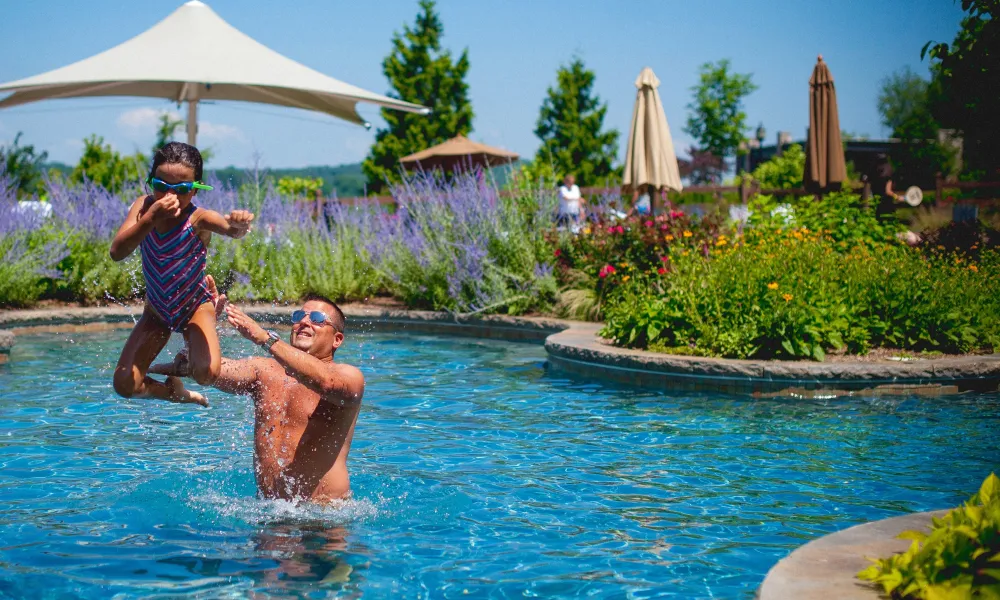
column 181, row 188
column 315, row 317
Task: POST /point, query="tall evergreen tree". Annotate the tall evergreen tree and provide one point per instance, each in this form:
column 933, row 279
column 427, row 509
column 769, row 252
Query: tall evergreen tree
column 420, row 72
column 570, row 126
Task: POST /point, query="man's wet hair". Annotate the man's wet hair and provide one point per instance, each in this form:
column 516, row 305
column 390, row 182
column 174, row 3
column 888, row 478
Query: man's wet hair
column 337, row 318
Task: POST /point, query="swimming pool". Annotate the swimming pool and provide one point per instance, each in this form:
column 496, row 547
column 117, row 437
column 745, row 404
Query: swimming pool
column 476, row 473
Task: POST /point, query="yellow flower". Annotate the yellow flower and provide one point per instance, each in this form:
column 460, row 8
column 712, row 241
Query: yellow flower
column 669, row 237
column 772, row 286
column 626, row 278
column 974, row 268
column 787, row 297
column 586, row 231
column 623, row 265
column 687, row 233
column 721, row 242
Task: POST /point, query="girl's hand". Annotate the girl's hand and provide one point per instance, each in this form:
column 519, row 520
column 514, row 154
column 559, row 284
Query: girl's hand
column 239, row 222
column 167, row 207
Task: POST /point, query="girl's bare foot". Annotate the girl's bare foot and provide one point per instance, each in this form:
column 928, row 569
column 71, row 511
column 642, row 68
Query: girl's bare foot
column 180, row 395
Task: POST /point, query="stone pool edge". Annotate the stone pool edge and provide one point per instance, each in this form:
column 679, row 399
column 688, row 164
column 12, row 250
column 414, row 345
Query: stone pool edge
column 574, row 347
column 827, row 567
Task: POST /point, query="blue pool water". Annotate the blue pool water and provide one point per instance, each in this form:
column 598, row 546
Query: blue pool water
column 476, row 473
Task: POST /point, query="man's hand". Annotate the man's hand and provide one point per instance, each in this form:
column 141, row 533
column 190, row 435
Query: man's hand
column 239, row 222
column 220, row 300
column 247, row 327
column 166, row 207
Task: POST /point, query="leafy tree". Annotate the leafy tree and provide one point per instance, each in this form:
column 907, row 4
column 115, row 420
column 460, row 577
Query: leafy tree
column 570, row 126
column 420, row 72
column 902, row 99
column 968, row 71
column 703, row 168
column 166, row 130
column 105, row 166
column 905, row 103
column 23, row 165
column 717, row 120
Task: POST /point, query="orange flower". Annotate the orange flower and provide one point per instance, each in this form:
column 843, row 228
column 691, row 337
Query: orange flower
column 669, row 238
column 772, row 286
column 687, row 233
column 974, row 268
column 787, row 297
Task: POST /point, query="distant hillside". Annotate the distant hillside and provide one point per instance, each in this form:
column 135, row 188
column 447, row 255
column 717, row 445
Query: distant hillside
column 347, row 180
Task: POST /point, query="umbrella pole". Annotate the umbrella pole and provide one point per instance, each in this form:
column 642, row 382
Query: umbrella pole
column 192, row 121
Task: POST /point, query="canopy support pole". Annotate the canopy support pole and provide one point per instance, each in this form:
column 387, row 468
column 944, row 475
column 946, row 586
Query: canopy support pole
column 192, row 121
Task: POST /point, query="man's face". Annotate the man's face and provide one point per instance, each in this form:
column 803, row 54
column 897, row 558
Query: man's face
column 319, row 340
column 569, row 180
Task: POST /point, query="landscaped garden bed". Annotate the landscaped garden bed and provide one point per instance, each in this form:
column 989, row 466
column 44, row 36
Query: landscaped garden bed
column 819, row 280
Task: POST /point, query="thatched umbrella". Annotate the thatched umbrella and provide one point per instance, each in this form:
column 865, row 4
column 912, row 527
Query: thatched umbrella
column 458, row 152
column 650, row 158
column 825, row 167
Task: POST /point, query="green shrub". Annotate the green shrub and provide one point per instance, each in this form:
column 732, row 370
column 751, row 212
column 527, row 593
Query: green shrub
column 842, row 216
column 783, row 171
column 792, row 294
column 959, row 559
column 27, row 267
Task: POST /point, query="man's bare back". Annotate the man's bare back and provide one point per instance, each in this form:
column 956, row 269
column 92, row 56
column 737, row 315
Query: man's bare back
column 305, row 404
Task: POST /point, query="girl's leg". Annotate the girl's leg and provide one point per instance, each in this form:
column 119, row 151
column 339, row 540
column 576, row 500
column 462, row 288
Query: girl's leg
column 204, row 354
column 147, row 339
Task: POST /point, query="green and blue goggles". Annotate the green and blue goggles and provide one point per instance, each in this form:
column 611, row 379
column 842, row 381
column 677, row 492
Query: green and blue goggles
column 181, row 188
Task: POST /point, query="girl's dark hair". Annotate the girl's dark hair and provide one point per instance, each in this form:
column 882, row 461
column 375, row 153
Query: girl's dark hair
column 178, row 152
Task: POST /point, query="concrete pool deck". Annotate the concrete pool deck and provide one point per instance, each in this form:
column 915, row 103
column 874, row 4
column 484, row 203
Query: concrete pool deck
column 575, row 348
column 827, row 567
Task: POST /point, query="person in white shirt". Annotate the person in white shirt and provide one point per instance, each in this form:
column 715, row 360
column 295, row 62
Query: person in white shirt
column 571, row 202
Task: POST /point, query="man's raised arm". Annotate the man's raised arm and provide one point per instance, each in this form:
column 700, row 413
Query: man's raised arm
column 332, row 381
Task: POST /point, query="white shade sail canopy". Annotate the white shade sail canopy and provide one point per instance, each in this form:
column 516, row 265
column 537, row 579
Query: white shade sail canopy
column 650, row 157
column 194, row 55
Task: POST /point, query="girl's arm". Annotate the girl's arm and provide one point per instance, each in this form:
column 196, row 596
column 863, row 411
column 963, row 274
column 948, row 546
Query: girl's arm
column 137, row 226
column 235, row 225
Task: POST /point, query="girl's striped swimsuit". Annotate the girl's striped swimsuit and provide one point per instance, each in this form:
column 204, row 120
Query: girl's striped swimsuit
column 173, row 264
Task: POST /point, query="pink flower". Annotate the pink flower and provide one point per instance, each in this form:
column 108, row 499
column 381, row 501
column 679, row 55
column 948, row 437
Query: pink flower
column 664, row 227
column 648, row 223
column 661, row 271
column 676, row 214
column 619, row 229
column 605, row 271
column 611, row 228
column 663, row 259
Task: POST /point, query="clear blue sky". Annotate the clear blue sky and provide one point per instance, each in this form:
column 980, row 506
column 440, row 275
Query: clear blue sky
column 515, row 48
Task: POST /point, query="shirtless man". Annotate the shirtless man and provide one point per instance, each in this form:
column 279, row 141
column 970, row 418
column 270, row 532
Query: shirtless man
column 305, row 404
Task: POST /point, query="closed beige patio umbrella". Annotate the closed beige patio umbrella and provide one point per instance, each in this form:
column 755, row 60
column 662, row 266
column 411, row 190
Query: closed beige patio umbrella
column 650, row 157
column 458, row 152
column 194, row 55
column 825, row 166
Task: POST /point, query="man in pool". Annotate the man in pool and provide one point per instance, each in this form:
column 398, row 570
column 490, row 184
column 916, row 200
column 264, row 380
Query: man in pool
column 305, row 404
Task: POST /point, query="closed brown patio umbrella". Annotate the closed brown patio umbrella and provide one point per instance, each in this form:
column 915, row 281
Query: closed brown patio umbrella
column 825, row 168
column 458, row 152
